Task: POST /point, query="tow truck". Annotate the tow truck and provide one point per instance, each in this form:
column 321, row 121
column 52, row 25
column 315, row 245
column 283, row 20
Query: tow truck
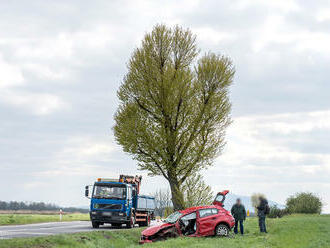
column 118, row 201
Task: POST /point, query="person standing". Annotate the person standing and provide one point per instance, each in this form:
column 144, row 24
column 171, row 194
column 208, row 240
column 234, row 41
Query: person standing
column 263, row 210
column 239, row 213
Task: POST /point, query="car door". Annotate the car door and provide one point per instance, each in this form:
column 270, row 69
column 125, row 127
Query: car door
column 206, row 221
column 188, row 221
column 129, row 199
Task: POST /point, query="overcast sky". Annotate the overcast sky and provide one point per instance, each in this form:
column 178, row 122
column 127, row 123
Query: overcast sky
column 61, row 63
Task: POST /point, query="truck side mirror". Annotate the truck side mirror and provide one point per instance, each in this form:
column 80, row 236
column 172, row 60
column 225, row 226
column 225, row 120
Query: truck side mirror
column 87, row 191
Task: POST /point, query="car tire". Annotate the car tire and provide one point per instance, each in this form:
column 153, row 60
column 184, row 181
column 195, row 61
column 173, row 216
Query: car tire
column 222, row 230
column 95, row 224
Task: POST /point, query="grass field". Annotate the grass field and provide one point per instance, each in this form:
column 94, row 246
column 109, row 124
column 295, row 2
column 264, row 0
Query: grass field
column 300, row 231
column 17, row 219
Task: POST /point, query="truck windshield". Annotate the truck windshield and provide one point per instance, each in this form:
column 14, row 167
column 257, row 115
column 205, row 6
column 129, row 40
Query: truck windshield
column 173, row 217
column 110, row 191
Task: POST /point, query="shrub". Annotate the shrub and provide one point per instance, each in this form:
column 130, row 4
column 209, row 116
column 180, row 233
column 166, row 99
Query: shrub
column 305, row 202
column 276, row 212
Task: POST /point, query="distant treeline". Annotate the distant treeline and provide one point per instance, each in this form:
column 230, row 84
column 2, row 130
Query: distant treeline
column 37, row 206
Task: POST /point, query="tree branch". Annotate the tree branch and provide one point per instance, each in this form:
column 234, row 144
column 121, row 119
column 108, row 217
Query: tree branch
column 153, row 160
column 147, row 110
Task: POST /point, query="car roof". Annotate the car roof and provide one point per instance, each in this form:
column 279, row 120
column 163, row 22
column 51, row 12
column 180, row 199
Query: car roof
column 193, row 209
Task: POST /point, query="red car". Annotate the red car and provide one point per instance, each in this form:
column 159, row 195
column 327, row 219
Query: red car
column 193, row 222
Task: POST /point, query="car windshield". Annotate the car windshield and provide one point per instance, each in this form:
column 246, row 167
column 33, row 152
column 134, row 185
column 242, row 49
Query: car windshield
column 110, row 191
column 173, row 217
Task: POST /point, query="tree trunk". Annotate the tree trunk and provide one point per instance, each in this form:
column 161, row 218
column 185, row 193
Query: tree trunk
column 177, row 195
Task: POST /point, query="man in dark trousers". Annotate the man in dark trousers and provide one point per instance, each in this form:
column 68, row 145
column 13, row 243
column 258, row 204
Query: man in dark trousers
column 239, row 213
column 263, row 210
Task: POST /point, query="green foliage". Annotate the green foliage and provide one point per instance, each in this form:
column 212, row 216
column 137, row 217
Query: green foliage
column 173, row 114
column 37, row 206
column 196, row 191
column 15, row 219
column 276, row 212
column 305, row 202
column 168, row 211
column 295, row 231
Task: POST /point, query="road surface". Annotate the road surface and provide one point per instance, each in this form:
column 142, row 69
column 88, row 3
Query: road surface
column 52, row 228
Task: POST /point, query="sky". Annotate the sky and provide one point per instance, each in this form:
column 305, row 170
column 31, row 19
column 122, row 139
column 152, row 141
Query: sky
column 62, row 62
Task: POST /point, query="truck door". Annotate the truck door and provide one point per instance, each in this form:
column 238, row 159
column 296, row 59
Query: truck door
column 206, row 221
column 129, row 198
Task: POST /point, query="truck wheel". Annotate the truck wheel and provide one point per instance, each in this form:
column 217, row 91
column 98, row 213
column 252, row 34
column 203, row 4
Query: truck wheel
column 222, row 230
column 116, row 224
column 95, row 224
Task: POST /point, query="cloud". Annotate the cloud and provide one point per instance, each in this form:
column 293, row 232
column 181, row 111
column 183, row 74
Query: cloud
column 275, row 31
column 261, row 151
column 10, row 74
column 208, row 35
column 82, row 156
column 60, row 72
column 37, row 103
column 323, row 15
column 281, row 5
column 12, row 80
column 266, row 140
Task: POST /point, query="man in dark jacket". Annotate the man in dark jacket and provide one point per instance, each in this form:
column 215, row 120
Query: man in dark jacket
column 239, row 213
column 262, row 211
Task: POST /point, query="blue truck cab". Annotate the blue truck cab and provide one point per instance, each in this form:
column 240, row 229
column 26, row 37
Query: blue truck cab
column 118, row 202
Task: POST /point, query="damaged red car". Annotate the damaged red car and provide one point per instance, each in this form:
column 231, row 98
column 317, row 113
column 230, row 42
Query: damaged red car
column 193, row 222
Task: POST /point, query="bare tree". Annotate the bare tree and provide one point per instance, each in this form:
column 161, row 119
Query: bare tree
column 163, row 201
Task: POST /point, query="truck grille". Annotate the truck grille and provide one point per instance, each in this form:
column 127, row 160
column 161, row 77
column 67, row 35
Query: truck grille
column 108, row 206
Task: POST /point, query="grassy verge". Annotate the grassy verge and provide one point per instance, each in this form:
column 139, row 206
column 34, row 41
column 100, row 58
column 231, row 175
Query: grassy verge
column 18, row 219
column 293, row 231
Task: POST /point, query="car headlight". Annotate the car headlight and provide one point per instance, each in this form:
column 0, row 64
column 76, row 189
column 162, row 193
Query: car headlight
column 93, row 212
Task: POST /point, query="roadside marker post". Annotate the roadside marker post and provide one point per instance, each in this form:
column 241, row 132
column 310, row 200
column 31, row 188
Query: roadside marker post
column 60, row 214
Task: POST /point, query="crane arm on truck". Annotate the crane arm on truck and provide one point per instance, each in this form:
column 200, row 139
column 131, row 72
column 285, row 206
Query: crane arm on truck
column 132, row 180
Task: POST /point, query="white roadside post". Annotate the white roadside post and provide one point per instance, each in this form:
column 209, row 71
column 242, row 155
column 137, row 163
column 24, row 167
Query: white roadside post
column 60, row 214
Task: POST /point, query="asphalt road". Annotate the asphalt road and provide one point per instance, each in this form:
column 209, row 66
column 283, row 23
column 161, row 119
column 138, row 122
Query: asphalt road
column 44, row 229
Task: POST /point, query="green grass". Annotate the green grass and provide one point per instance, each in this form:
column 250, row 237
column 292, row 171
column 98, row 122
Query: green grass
column 18, row 219
column 299, row 231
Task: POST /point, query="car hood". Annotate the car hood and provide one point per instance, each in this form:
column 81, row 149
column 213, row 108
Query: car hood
column 154, row 229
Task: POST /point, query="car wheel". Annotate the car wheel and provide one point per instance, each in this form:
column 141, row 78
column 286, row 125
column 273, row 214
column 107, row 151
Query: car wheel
column 95, row 224
column 222, row 230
